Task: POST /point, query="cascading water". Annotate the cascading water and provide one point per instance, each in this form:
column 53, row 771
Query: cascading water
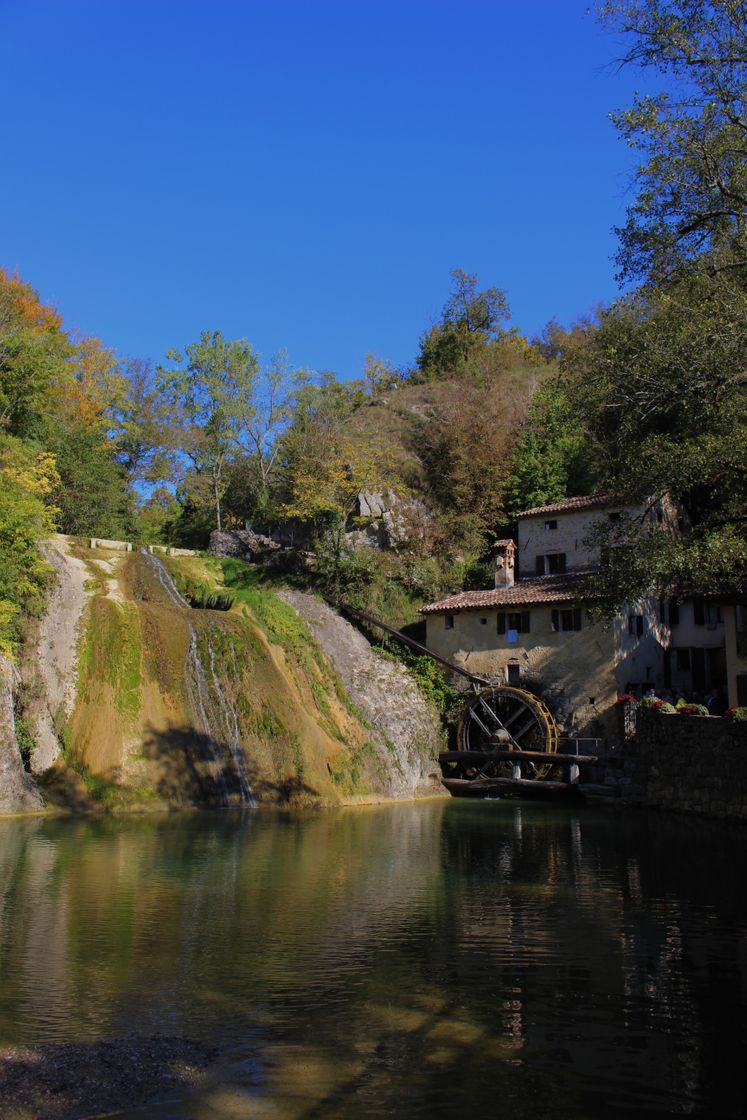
column 164, row 577
column 218, row 722
column 231, row 722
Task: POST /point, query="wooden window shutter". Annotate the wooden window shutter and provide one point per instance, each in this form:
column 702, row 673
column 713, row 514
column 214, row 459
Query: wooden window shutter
column 698, row 612
column 501, row 623
column 539, row 565
column 577, row 618
column 555, row 620
column 525, row 622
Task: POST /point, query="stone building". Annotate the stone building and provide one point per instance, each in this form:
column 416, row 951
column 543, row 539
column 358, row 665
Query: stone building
column 533, row 628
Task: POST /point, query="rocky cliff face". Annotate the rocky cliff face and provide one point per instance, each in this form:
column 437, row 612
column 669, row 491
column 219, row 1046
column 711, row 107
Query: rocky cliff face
column 153, row 703
column 386, row 695
column 18, row 792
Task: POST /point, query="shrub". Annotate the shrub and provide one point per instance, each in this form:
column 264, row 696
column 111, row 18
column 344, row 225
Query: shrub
column 692, row 710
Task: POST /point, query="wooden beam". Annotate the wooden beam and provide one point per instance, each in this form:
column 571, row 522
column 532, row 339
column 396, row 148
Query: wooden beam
column 485, row 785
column 513, row 756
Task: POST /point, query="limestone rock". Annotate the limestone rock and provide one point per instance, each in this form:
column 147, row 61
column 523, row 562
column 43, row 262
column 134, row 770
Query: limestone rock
column 406, row 729
column 18, row 792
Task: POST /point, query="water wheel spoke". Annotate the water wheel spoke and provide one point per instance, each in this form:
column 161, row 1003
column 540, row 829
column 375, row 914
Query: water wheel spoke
column 491, row 713
column 474, row 716
column 517, row 735
column 519, row 710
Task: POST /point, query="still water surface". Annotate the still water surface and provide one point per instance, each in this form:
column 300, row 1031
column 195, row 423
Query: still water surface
column 433, row 960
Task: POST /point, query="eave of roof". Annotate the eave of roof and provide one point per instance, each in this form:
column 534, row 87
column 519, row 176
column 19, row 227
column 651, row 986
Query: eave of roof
column 565, row 588
column 569, row 504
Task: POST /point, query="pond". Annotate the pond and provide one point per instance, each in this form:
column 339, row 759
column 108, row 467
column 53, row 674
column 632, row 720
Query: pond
column 426, row 960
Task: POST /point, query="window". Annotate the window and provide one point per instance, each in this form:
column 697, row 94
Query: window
column 551, row 524
column 682, row 660
column 698, row 612
column 515, row 620
column 483, row 622
column 635, row 625
column 449, row 622
column 569, row 619
column 613, row 516
column 674, row 612
column 553, row 563
column 713, row 614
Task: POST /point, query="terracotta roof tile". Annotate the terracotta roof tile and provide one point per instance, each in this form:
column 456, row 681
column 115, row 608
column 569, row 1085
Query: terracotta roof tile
column 542, row 589
column 570, row 504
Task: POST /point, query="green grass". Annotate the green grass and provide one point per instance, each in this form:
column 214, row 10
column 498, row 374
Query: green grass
column 111, row 652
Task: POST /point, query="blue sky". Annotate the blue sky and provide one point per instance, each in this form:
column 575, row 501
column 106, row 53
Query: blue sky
column 304, row 173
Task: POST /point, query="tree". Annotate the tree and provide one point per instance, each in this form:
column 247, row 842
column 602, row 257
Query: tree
column 325, row 465
column 267, row 417
column 379, row 376
column 34, row 357
column 212, row 385
column 691, row 205
column 466, row 445
column 27, row 481
column 144, row 424
column 470, row 319
column 662, row 386
column 555, row 456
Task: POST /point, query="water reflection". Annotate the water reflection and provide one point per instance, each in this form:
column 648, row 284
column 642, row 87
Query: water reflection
column 405, row 961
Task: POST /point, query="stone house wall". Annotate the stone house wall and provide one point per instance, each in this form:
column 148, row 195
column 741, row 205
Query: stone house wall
column 573, row 670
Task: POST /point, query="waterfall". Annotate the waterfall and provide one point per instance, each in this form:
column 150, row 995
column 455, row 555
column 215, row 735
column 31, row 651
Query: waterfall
column 231, row 721
column 165, row 579
column 218, row 722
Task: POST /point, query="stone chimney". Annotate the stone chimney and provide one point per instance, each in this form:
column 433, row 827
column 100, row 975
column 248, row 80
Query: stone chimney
column 505, row 562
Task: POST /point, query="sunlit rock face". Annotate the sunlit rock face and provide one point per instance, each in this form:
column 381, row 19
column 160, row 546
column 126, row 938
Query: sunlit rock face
column 406, row 728
column 173, row 705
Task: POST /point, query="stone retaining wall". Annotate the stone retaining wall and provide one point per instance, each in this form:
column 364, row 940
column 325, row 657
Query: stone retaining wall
column 695, row 764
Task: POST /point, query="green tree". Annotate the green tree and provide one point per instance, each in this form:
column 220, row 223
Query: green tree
column 661, row 385
column 691, row 137
column 212, row 387
column 470, row 319
column 556, row 455
column 27, row 481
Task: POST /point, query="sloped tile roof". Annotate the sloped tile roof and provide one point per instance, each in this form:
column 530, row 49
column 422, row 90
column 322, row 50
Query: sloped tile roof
column 569, row 504
column 542, row 589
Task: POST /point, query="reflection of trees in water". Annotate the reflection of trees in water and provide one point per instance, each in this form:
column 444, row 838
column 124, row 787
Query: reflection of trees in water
column 362, row 959
column 178, row 919
column 607, row 934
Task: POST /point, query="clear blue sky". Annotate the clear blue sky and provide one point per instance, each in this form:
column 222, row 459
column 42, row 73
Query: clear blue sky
column 304, row 173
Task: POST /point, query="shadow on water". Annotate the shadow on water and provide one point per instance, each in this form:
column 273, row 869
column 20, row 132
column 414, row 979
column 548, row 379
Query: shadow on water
column 72, row 1081
column 194, row 768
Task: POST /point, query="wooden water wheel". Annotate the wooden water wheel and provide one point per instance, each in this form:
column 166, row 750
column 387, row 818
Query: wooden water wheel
column 505, row 719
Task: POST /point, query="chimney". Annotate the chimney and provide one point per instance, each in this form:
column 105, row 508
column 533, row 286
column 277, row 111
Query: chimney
column 505, row 562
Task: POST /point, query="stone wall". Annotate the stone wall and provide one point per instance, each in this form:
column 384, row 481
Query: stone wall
column 695, row 764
